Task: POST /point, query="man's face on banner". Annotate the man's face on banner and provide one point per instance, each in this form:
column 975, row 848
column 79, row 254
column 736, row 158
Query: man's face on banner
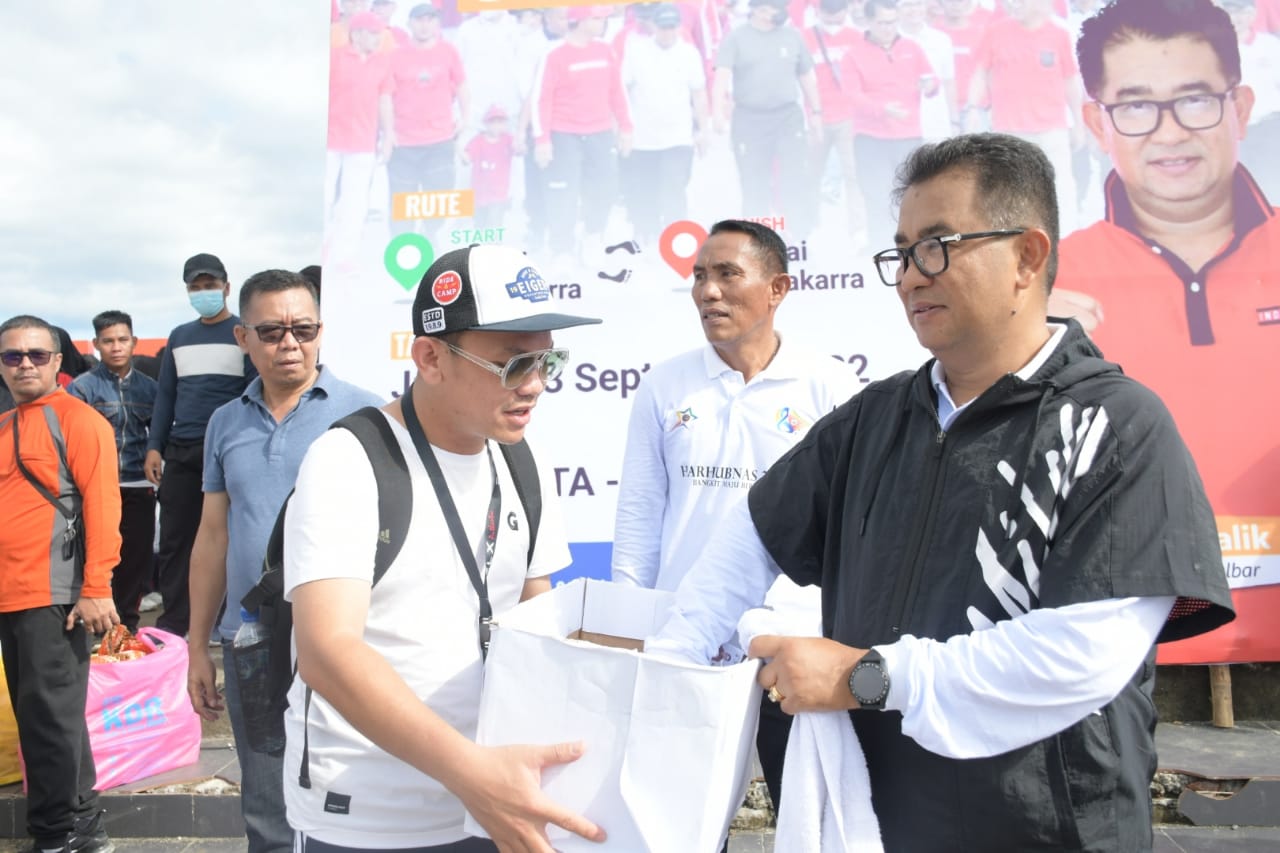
column 1171, row 165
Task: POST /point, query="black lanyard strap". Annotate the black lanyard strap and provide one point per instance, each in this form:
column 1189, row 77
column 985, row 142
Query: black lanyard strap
column 450, row 512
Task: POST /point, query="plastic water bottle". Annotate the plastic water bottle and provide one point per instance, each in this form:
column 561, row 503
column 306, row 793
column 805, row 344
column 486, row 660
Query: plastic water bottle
column 263, row 722
column 251, row 631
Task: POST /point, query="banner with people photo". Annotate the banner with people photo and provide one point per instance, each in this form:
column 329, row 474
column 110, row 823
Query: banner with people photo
column 604, row 140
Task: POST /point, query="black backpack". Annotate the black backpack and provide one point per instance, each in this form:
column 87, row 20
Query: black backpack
column 264, row 692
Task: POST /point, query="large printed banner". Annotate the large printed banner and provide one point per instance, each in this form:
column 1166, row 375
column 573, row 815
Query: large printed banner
column 604, row 140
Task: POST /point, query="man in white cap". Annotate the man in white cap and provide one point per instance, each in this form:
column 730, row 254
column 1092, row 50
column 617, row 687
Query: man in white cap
column 382, row 716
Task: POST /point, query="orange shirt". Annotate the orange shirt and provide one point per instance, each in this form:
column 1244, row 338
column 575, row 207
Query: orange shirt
column 31, row 572
column 425, row 81
column 967, row 41
column 1027, row 77
column 356, row 84
column 1268, row 20
column 827, row 55
column 1207, row 342
column 873, row 76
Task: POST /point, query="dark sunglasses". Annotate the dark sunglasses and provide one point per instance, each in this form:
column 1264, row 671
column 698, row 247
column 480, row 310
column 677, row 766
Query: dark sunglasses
column 273, row 333
column 14, row 357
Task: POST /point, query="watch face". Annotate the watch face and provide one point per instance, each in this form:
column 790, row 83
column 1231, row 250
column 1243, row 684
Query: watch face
column 868, row 684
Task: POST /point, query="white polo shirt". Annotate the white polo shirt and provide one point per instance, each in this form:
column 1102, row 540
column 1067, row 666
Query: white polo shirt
column 423, row 619
column 699, row 437
column 660, row 83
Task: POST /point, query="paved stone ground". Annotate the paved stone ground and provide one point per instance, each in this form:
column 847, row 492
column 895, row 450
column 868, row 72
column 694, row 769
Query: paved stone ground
column 1181, row 839
column 1169, row 839
column 1250, row 750
column 159, row 845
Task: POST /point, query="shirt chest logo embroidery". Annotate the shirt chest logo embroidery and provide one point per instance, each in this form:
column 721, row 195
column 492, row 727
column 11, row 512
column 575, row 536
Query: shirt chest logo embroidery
column 1269, row 316
column 683, row 418
column 791, row 421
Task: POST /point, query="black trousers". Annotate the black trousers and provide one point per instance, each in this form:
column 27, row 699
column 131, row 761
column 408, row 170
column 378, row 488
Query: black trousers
column 47, row 669
column 877, row 161
column 130, row 578
column 420, row 167
column 181, row 498
column 535, row 198
column 581, row 185
column 656, row 184
column 771, row 149
column 466, row 845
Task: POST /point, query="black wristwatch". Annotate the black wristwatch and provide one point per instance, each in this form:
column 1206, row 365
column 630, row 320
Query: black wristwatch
column 869, row 682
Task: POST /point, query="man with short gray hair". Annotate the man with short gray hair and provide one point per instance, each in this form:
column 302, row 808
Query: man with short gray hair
column 993, row 577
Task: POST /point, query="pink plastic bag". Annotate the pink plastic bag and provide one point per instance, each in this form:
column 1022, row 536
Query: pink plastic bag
column 140, row 719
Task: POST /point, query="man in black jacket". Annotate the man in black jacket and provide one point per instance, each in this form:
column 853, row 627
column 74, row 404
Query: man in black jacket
column 1000, row 537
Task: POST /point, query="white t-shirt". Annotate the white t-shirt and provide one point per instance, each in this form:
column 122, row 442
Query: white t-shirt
column 935, row 111
column 487, row 45
column 659, row 82
column 699, row 437
column 423, row 618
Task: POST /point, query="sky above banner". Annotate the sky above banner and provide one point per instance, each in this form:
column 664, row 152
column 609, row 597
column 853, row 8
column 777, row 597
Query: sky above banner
column 138, row 134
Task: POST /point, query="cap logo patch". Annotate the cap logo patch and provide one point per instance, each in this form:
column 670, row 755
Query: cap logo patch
column 446, row 288
column 1269, row 316
column 432, row 321
column 528, row 285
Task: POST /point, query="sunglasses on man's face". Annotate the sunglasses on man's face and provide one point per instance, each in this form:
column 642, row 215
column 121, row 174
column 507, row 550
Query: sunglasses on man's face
column 548, row 364
column 273, row 333
column 14, row 357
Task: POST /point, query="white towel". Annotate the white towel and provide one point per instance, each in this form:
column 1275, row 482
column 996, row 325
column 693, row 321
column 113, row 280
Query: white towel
column 827, row 807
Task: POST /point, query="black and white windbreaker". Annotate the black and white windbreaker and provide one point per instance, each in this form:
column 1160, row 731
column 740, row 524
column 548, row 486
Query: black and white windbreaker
column 1073, row 486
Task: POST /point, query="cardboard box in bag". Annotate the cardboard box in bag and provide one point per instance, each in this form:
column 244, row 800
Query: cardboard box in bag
column 668, row 745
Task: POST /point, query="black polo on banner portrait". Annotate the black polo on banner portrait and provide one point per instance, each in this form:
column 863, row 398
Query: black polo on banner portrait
column 488, row 288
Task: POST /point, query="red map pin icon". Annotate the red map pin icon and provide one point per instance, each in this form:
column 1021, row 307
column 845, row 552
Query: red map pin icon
column 679, row 245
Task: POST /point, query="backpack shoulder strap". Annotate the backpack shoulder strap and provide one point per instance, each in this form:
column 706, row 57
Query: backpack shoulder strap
column 524, row 473
column 395, row 505
column 395, row 491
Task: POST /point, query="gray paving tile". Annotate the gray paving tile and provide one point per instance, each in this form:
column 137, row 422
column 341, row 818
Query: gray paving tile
column 1203, row 839
column 751, row 842
column 1250, row 750
column 215, row 845
column 1256, row 804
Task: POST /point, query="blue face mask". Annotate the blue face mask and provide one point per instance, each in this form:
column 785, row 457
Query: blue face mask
column 208, row 303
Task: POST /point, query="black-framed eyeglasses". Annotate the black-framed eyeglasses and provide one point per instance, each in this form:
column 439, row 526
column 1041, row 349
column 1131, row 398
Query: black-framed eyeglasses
column 929, row 255
column 1199, row 111
column 549, row 363
column 14, row 357
column 273, row 333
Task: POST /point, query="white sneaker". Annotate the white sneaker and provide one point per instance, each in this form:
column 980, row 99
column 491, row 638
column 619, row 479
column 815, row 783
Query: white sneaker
column 150, row 601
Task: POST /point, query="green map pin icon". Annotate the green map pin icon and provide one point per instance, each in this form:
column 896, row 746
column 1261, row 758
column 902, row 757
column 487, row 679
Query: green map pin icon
column 407, row 258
